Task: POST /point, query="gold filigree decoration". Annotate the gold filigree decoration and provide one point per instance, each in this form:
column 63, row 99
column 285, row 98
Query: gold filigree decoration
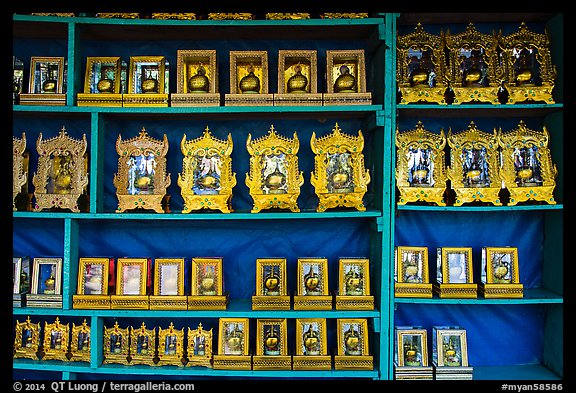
column 291, row 16
column 116, row 348
column 234, row 16
column 142, row 345
column 56, row 338
column 178, row 16
column 27, row 339
column 80, row 343
column 199, row 350
column 19, row 167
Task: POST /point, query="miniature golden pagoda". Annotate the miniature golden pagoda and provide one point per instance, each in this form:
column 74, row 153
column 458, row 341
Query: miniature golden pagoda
column 171, row 346
column 199, row 350
column 271, row 345
column 19, row 168
column 80, row 343
column 411, row 278
column 271, row 285
column 27, row 339
column 312, row 291
column 56, row 337
column 274, row 179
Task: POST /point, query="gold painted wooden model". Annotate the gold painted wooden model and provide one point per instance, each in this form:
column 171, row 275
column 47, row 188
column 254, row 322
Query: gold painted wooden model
column 312, row 291
column 231, row 15
column 207, row 179
column 271, row 285
column 196, row 79
column 354, row 285
column 233, row 345
column 411, row 346
column 46, row 82
column 249, row 79
column 353, row 351
column 46, row 288
column 411, row 277
column 147, row 82
column 274, row 179
column 271, row 345
column 207, row 285
column 80, row 343
column 102, row 82
column 500, row 276
column 92, row 291
column 177, row 16
column 450, row 354
column 199, row 349
column 454, row 277
column 311, row 345
column 27, row 339
column 116, row 344
column 131, row 284
column 168, row 292
column 346, row 78
column 142, row 345
column 56, row 338
column 171, row 346
column 297, row 78
column 20, row 162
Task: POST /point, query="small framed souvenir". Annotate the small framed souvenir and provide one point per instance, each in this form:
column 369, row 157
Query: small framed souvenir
column 27, row 339
column 168, row 293
column 411, row 272
column 297, row 78
column 354, row 285
column 527, row 169
column 17, row 79
column 196, row 79
column 207, row 179
column 131, row 284
column 171, row 346
column 147, row 82
column 56, row 337
column 340, row 178
column 102, row 82
column 353, row 351
column 116, row 344
column 421, row 168
column 454, row 277
column 450, row 353
column 46, row 83
column 271, row 345
column 249, row 79
column 80, row 343
column 61, row 179
column 500, row 277
column 290, row 15
column 141, row 181
column 93, row 275
column 474, row 166
column 271, row 285
column 142, row 345
column 411, row 353
column 346, row 78
column 120, row 15
column 20, row 163
column 46, row 288
column 199, row 351
column 311, row 348
column 21, row 276
column 175, row 16
column 230, row 16
column 207, row 285
column 233, row 344
column 312, row 285
column 274, row 179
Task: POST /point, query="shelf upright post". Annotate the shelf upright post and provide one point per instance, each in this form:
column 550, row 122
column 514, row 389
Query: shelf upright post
column 70, row 262
column 96, row 162
column 96, row 341
column 73, row 78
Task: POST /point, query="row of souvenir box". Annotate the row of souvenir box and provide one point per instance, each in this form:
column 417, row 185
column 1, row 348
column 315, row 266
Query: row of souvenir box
column 210, row 15
column 106, row 82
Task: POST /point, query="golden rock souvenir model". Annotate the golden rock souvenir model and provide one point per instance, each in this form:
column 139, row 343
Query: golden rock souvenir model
column 46, row 288
column 311, row 349
column 131, row 284
column 291, row 16
column 61, row 178
column 147, row 82
column 17, row 79
column 207, row 179
column 177, row 16
column 168, row 293
column 274, row 179
column 500, row 277
column 454, row 277
column 312, row 292
column 354, row 285
column 271, row 285
column 92, row 291
column 141, row 181
column 339, row 176
column 116, row 345
column 56, row 337
column 527, row 170
column 450, row 353
column 119, row 15
column 271, row 345
column 207, row 285
column 421, row 169
column 297, row 78
column 142, row 345
column 199, row 350
column 421, row 67
column 473, row 69
column 102, row 82
column 20, row 161
column 21, row 276
column 249, row 79
column 233, row 344
column 80, row 343
column 231, row 16
column 47, row 82
column 474, row 166
column 171, row 346
column 411, row 272
column 196, row 79
column 27, row 339
column 346, row 78
column 529, row 75
column 411, row 354
column 353, row 351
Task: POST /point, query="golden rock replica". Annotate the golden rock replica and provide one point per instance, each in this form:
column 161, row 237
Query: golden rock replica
column 271, row 285
column 339, row 177
column 61, row 177
column 196, row 79
column 233, row 345
column 353, row 349
column 102, row 82
column 274, row 179
column 500, row 277
column 271, row 345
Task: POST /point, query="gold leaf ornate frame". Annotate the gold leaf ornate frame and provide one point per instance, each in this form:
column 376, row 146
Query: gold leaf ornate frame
column 116, row 347
column 44, row 269
column 199, row 351
column 474, row 166
column 92, row 290
column 354, row 285
column 454, row 277
column 133, row 183
column 311, row 345
column 451, row 347
column 56, row 337
column 500, row 275
column 353, row 351
column 312, row 277
column 102, row 82
column 233, row 344
column 421, row 67
column 271, row 345
column 271, row 285
column 274, row 179
column 346, row 62
column 421, row 168
column 168, row 290
column 207, row 179
column 411, row 347
column 142, row 345
column 411, row 274
column 80, row 343
column 171, row 346
column 27, row 339
column 46, row 82
column 21, row 275
column 131, row 276
column 61, row 177
column 19, row 168
column 242, row 63
column 207, row 285
column 147, row 88
column 520, row 86
column 297, row 78
column 339, row 177
column 196, row 64
column 473, row 66
column 527, row 169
